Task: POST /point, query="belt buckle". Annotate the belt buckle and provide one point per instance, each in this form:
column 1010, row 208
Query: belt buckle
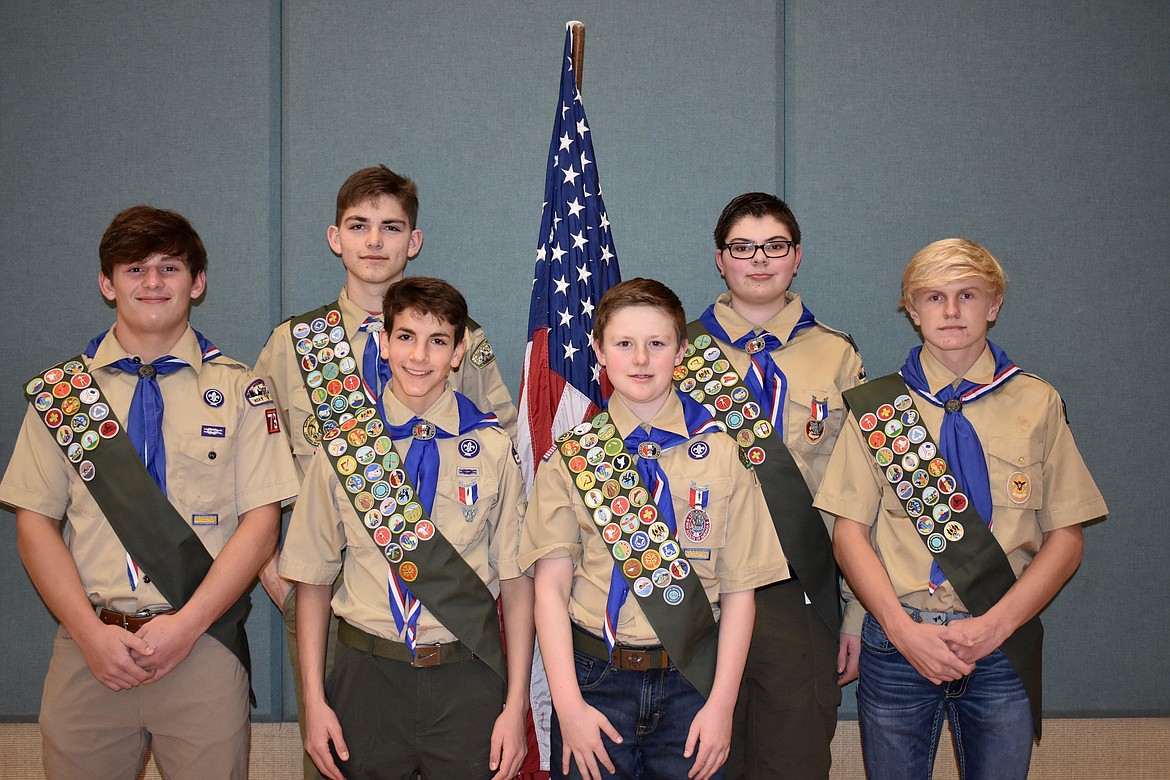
column 426, row 656
column 633, row 660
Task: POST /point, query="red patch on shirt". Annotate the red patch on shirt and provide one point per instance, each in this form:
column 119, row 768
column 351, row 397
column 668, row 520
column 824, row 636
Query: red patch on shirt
column 273, row 421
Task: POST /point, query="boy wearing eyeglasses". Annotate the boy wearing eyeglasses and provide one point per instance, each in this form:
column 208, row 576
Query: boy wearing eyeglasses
column 776, row 386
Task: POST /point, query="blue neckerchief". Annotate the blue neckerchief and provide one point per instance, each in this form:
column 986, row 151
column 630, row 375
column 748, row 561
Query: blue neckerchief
column 375, row 369
column 765, row 380
column 958, row 441
column 422, row 467
column 144, row 426
column 697, row 420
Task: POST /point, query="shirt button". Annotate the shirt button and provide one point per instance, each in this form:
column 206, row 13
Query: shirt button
column 211, row 456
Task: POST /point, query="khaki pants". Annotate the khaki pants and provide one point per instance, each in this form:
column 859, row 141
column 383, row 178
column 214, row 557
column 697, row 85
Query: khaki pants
column 195, row 718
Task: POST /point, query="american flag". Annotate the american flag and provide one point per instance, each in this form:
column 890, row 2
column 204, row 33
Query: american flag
column 575, row 265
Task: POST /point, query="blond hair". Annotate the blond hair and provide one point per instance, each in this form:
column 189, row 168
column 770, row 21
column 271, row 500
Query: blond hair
column 950, row 260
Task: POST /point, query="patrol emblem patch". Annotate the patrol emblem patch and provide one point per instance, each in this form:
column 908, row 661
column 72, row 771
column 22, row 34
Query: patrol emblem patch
column 483, row 354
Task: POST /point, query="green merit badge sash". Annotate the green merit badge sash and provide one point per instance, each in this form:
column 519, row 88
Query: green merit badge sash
column 643, row 548
column 72, row 406
column 707, row 376
column 944, row 516
column 362, row 454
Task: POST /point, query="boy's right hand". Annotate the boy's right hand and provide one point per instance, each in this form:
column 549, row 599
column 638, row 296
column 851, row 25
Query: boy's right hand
column 581, row 730
column 927, row 648
column 109, row 654
column 321, row 728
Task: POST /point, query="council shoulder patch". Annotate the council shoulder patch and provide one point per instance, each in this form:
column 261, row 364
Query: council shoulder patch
column 483, row 354
column 257, row 393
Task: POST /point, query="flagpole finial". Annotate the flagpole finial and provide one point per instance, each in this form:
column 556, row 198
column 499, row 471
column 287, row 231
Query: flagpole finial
column 578, row 31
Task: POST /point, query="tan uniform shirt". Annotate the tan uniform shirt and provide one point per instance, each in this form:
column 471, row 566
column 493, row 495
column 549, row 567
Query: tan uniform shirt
column 1038, row 480
column 819, row 363
column 221, row 462
column 325, row 533
column 478, row 378
column 740, row 553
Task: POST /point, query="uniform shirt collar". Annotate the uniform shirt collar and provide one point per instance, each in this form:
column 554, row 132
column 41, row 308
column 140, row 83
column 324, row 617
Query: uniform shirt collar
column 111, row 350
column 939, row 376
column 669, row 418
column 444, row 412
column 352, row 315
column 779, row 325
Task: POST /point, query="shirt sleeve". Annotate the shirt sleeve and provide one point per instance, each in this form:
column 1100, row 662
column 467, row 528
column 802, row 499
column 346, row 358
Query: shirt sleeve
column 313, row 548
column 551, row 529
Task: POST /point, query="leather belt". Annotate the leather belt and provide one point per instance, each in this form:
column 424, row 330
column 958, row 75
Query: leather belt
column 625, row 657
column 425, row 657
column 131, row 621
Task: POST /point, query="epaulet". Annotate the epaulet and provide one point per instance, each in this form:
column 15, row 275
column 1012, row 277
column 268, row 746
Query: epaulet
column 842, row 334
column 473, row 325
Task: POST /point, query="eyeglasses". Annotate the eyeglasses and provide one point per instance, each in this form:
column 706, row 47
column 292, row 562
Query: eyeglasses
column 745, row 250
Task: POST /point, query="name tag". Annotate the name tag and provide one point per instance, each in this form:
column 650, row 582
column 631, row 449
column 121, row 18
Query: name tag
column 206, row 519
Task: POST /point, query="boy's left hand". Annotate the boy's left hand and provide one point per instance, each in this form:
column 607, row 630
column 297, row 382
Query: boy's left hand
column 509, row 743
column 711, row 728
column 985, row 634
column 172, row 638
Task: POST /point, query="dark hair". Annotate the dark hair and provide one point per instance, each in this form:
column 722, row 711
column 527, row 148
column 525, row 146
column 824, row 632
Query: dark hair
column 425, row 295
column 639, row 292
column 754, row 204
column 374, row 182
column 141, row 231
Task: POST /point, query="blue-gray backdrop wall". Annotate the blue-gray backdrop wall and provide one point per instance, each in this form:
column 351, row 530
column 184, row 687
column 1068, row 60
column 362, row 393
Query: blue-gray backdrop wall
column 1035, row 128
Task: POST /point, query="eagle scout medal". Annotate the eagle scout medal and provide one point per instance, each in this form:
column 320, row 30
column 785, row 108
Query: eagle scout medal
column 697, row 523
column 814, row 429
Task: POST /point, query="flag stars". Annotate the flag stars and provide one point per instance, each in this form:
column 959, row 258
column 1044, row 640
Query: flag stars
column 606, row 255
column 587, row 307
column 604, row 221
column 583, row 273
column 566, row 142
column 562, row 285
column 575, row 207
column 582, row 128
column 570, row 175
column 579, row 240
column 585, row 161
column 541, row 253
column 566, row 318
column 595, row 369
column 570, row 350
column 558, row 253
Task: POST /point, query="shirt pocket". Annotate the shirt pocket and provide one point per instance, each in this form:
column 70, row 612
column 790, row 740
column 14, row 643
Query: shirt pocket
column 1015, row 470
column 464, row 506
column 800, row 433
column 701, row 529
column 202, row 475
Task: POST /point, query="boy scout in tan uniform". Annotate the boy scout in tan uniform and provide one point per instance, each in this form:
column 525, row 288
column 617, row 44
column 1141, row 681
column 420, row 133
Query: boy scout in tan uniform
column 375, row 235
column 130, row 667
column 456, row 728
column 787, row 710
column 954, row 545
column 722, row 537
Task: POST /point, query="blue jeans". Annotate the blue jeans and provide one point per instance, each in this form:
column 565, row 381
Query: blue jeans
column 651, row 710
column 901, row 716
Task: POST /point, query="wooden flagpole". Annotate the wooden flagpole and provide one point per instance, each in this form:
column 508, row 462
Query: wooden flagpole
column 578, row 30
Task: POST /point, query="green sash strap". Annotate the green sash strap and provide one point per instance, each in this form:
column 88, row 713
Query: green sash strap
column 71, row 404
column 666, row 586
column 370, row 471
column 951, row 529
column 706, row 374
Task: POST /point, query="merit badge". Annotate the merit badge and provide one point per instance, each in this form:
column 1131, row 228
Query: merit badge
column 814, row 429
column 643, row 587
column 86, row 470
column 673, row 595
column 953, row 531
column 957, row 502
column 1019, row 487
column 702, row 341
column 756, row 455
column 213, row 398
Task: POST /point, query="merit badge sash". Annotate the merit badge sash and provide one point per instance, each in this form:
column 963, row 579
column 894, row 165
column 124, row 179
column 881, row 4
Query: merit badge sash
column 706, row 375
column 946, row 519
column 643, row 549
column 362, row 454
column 69, row 401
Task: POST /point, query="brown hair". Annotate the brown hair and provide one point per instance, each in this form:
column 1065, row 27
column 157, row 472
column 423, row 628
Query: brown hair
column 425, row 295
column 754, row 204
column 372, row 183
column 639, row 292
column 141, row 231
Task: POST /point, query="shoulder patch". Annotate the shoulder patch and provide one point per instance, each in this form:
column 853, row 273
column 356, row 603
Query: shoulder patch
column 483, row 354
column 257, row 393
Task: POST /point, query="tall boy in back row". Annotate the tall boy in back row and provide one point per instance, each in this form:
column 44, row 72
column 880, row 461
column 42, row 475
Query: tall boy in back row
column 774, row 375
column 375, row 233
column 960, row 499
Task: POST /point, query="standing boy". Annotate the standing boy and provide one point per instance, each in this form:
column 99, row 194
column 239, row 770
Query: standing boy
column 417, row 495
column 960, row 497
column 776, row 385
column 168, row 518
column 648, row 497
column 375, row 233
